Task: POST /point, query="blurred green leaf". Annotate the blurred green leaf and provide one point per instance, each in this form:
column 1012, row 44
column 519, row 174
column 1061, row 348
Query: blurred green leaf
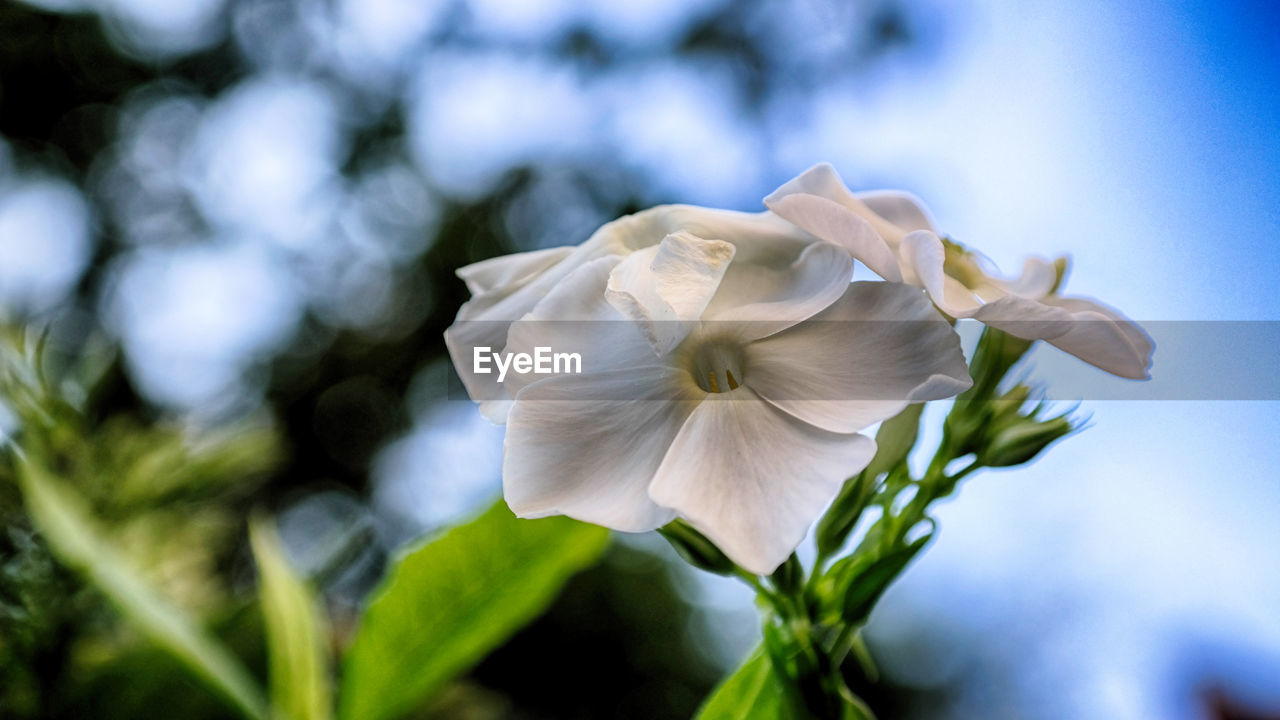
column 297, row 649
column 448, row 602
column 751, row 692
column 65, row 522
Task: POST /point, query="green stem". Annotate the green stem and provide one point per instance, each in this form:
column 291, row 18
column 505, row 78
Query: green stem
column 843, row 643
column 762, row 591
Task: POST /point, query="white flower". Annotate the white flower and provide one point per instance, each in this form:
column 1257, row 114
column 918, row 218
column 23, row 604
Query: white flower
column 723, row 382
column 891, row 233
column 505, row 288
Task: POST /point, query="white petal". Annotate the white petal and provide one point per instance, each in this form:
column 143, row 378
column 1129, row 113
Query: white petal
column 495, row 411
column 878, row 348
column 631, row 232
column 580, row 295
column 747, row 231
column 762, row 299
column 462, row 338
column 1025, row 318
column 1104, row 337
column 1141, row 341
column 576, row 318
column 483, row 321
column 666, row 287
column 823, row 181
column 507, row 272
column 753, row 478
column 588, row 446
column 1037, row 279
column 925, row 257
column 1022, row 317
column 837, row 224
column 900, row 208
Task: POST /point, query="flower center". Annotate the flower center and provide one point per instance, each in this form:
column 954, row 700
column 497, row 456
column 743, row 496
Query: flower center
column 716, row 364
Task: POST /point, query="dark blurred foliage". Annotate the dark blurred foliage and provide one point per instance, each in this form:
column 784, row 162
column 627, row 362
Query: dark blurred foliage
column 618, row 644
column 627, row 641
column 42, row 609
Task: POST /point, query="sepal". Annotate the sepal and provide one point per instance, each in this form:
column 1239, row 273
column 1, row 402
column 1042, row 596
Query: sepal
column 696, row 549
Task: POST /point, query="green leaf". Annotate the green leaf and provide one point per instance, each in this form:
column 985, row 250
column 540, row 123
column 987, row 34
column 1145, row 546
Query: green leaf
column 297, row 650
column 65, row 522
column 752, row 692
column 448, row 602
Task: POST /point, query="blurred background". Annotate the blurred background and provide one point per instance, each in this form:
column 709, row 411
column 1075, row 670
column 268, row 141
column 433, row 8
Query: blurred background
column 250, row 211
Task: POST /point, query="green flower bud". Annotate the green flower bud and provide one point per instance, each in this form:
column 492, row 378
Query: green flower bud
column 695, row 548
column 1010, row 403
column 1020, row 442
column 969, row 423
column 965, row 425
column 1005, row 412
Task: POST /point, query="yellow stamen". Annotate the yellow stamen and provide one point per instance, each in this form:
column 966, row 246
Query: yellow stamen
column 712, row 375
column 733, row 384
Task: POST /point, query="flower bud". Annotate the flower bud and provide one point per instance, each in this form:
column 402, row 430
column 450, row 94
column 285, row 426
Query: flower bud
column 1005, row 412
column 1010, row 403
column 1020, row 442
column 965, row 425
column 695, row 548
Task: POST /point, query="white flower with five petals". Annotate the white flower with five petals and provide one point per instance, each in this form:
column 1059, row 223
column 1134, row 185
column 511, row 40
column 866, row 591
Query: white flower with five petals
column 723, row 382
column 892, row 234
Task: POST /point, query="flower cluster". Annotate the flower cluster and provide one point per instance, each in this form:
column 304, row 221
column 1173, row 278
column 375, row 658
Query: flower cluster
column 729, row 360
